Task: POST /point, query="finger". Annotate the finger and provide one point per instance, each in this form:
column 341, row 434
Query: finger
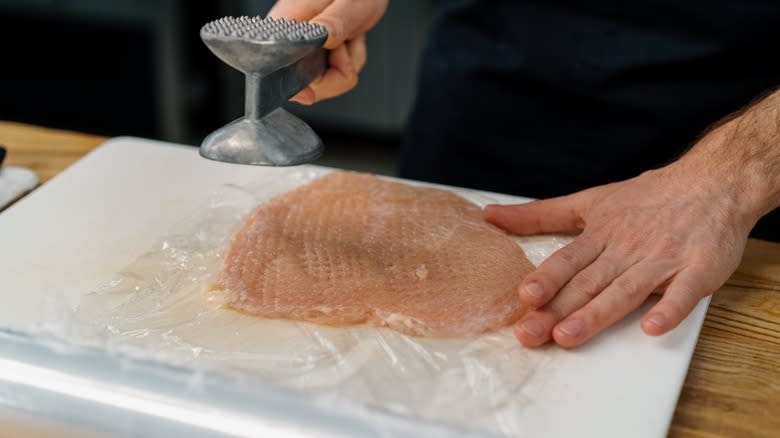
column 358, row 52
column 621, row 297
column 304, row 97
column 302, row 10
column 537, row 326
column 298, row 9
column 552, row 274
column 345, row 20
column 552, row 215
column 338, row 79
column 588, row 279
column 678, row 301
column 339, row 83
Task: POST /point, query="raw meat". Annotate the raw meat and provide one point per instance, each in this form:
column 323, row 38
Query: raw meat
column 352, row 248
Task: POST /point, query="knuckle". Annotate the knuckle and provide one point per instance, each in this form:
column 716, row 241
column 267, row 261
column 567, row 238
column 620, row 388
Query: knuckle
column 631, row 244
column 566, row 255
column 684, row 299
column 587, row 284
column 705, row 260
column 593, row 317
column 674, row 310
column 684, row 289
column 669, row 246
column 626, row 285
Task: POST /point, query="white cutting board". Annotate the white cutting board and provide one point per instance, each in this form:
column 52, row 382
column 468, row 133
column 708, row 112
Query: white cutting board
column 14, row 183
column 75, row 232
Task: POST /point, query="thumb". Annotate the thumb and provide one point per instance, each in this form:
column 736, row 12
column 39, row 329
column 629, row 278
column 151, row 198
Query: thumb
column 554, row 215
column 297, row 10
column 344, row 19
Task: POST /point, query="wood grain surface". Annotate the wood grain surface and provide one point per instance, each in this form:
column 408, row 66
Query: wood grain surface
column 733, row 383
column 46, row 151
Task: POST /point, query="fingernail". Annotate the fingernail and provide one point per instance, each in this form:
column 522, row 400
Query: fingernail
column 534, row 289
column 533, row 328
column 657, row 320
column 571, row 328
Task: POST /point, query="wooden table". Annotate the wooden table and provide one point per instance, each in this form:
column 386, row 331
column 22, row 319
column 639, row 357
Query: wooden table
column 733, row 384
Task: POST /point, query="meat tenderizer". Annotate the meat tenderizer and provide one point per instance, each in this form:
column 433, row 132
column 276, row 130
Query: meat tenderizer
column 279, row 58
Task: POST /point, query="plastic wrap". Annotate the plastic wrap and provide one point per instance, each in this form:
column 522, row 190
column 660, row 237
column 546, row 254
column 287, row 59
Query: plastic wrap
column 163, row 303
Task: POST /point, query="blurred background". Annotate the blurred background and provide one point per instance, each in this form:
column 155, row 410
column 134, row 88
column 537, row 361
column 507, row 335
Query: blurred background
column 138, row 67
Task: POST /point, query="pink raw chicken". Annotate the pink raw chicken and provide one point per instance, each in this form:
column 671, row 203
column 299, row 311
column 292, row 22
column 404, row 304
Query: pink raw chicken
column 351, row 248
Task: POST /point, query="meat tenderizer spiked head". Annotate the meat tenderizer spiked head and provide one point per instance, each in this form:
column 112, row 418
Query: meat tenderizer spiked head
column 279, row 58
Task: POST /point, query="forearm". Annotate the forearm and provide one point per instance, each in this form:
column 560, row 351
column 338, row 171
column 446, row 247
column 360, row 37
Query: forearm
column 742, row 157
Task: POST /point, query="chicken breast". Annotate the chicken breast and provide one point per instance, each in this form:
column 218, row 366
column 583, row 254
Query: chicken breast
column 352, row 248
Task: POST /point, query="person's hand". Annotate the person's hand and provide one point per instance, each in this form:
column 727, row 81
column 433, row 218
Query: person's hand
column 679, row 231
column 347, row 22
column 660, row 232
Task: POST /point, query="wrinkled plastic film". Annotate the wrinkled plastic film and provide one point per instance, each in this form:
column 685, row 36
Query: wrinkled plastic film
column 164, row 302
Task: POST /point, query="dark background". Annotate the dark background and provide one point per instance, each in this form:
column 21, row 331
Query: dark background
column 101, row 72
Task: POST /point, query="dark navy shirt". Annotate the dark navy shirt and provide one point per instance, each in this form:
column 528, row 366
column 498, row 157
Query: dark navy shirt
column 549, row 97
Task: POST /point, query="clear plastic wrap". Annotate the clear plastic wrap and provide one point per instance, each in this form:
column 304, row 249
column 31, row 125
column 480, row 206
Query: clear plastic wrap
column 163, row 303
